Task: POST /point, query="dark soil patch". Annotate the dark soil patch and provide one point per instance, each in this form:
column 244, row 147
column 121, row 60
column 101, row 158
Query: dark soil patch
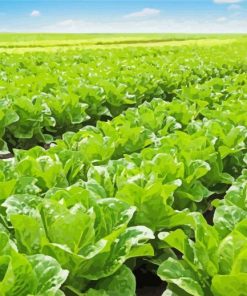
column 148, row 283
column 209, row 216
column 6, row 156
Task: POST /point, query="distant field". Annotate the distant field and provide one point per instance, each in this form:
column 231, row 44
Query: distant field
column 21, row 43
column 48, row 40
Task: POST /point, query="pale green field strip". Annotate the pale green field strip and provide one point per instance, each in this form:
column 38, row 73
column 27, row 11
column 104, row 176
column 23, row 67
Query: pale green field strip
column 82, row 42
column 43, row 40
column 153, row 43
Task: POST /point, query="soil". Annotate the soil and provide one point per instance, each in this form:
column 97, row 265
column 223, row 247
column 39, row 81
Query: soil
column 6, row 156
column 150, row 291
column 148, row 283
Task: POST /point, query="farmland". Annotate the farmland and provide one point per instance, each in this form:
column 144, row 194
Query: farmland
column 121, row 154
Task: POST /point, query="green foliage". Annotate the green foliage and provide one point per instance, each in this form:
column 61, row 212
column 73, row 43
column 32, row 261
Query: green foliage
column 149, row 163
column 43, row 95
column 28, row 275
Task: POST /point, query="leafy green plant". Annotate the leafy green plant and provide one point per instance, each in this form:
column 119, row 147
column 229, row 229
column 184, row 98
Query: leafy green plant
column 88, row 237
column 209, row 265
column 28, row 275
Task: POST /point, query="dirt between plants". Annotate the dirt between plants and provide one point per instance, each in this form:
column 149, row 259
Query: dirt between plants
column 150, row 291
column 148, row 283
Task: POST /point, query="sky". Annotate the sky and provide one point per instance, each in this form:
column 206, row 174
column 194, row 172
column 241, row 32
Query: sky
column 129, row 16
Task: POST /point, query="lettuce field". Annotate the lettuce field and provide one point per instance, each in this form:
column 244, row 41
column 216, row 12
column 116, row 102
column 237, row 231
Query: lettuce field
column 123, row 166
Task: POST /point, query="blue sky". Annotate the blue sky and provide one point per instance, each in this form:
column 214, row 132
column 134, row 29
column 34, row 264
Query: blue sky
column 123, row 16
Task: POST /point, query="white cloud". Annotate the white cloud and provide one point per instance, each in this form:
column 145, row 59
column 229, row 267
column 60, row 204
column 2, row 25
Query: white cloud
column 150, row 25
column 35, row 13
column 70, row 22
column 234, row 7
column 145, row 12
column 227, row 1
column 221, row 19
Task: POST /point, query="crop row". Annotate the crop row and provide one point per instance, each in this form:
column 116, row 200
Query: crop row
column 91, row 239
column 42, row 96
column 81, row 212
